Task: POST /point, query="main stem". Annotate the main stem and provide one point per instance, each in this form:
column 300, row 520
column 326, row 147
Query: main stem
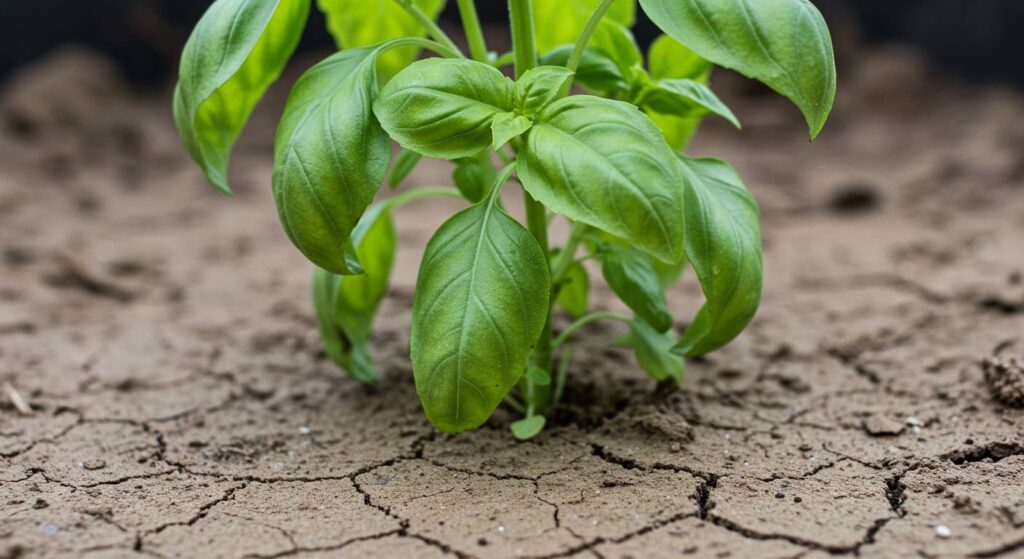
column 524, row 45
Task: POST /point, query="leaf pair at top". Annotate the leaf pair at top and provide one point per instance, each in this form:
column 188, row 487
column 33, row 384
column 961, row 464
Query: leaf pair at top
column 596, row 161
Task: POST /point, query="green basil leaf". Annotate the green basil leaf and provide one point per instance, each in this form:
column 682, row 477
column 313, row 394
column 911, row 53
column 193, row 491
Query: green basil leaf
column 605, row 164
column 678, row 131
column 236, row 51
column 560, row 22
column 506, row 126
column 784, row 44
column 404, row 164
column 669, row 274
column 330, row 156
column 528, row 428
column 630, row 275
column 362, row 23
column 653, row 351
column 574, row 293
column 686, row 99
column 473, row 175
column 668, row 59
column 443, row 108
column 346, row 305
column 723, row 241
column 538, row 87
column 480, row 305
column 597, row 71
column 618, row 43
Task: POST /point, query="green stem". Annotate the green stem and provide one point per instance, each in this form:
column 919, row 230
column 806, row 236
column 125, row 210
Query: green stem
column 432, row 28
column 563, row 373
column 524, row 45
column 524, row 42
column 587, row 319
column 504, row 60
column 568, row 253
column 474, row 33
column 425, row 44
column 581, row 43
column 424, row 192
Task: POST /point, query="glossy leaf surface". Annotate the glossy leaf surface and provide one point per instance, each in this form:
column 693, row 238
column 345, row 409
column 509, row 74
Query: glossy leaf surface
column 443, row 108
column 630, row 275
column 723, row 242
column 685, row 99
column 605, row 164
column 236, row 51
column 539, row 87
column 330, row 157
column 784, row 44
column 653, row 351
column 480, row 305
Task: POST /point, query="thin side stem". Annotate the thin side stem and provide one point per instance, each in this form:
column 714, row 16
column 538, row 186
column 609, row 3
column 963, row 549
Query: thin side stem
column 425, row 192
column 581, row 43
column 563, row 374
column 566, row 334
column 474, row 33
column 568, row 253
column 425, row 44
column 432, row 28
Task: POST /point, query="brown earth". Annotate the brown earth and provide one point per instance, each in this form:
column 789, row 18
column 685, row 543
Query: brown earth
column 181, row 407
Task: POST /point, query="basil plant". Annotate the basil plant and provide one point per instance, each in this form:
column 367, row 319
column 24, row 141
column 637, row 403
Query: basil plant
column 594, row 131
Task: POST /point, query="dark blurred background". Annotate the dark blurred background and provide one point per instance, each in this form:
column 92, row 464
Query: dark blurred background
column 977, row 39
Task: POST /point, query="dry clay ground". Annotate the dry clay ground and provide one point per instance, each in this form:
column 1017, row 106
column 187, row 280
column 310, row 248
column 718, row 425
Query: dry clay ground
column 181, row 407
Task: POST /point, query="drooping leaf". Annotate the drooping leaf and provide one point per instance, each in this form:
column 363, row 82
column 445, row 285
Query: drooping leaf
column 236, row 51
column 653, row 351
column 402, row 167
column 346, row 305
column 668, row 59
column 630, row 275
column 560, row 22
column 480, row 305
column 723, row 241
column 605, row 164
column 538, row 87
column 507, row 126
column 597, row 71
column 443, row 108
column 330, row 156
column 361, row 23
column 473, row 175
column 785, row 44
column 528, row 427
column 574, row 293
column 685, row 99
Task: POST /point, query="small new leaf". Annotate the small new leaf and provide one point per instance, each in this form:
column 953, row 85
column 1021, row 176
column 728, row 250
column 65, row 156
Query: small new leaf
column 723, row 242
column 785, row 44
column 539, row 87
column 597, row 71
column 236, row 51
column 443, row 108
column 330, row 157
column 538, row 376
column 507, row 126
column 403, row 165
column 528, row 428
column 473, row 175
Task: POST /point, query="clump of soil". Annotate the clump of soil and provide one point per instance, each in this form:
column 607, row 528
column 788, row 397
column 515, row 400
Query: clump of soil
column 1005, row 378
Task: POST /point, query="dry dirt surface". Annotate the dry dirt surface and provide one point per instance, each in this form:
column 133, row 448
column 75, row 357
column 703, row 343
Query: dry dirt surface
column 181, row 407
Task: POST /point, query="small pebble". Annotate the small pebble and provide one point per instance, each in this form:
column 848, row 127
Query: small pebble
column 675, row 447
column 942, row 531
column 382, row 480
column 780, row 495
column 798, row 499
column 304, row 430
column 94, row 464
